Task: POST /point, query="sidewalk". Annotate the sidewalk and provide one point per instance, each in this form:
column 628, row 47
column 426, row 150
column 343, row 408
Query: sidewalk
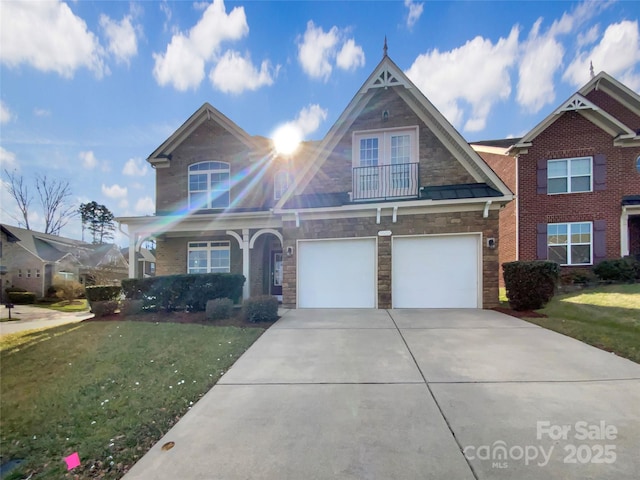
column 31, row 318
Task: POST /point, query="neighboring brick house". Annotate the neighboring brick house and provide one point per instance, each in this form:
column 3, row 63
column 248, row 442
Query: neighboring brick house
column 146, row 262
column 34, row 260
column 578, row 180
column 391, row 209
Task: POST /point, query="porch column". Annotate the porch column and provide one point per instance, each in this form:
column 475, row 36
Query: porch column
column 245, row 263
column 624, row 233
column 132, row 255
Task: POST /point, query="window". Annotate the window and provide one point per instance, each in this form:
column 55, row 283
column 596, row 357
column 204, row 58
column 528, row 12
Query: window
column 28, row 273
column 637, row 166
column 209, row 185
column 37, row 273
column 385, row 163
column 569, row 243
column 208, row 257
column 19, row 273
column 569, row 175
column 280, row 184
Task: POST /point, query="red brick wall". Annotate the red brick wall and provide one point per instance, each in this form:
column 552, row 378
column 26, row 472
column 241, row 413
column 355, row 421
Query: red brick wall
column 570, row 136
column 505, row 168
column 615, row 108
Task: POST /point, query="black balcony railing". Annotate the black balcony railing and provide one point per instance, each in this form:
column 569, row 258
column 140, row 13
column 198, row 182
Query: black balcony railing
column 385, row 181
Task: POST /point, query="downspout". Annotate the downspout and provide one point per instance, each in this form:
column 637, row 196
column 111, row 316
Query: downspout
column 485, row 213
column 517, row 207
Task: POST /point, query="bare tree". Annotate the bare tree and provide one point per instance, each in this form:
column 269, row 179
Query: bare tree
column 54, row 197
column 20, row 193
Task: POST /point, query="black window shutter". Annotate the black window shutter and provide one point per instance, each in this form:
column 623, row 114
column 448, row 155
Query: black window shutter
column 599, row 241
column 541, row 241
column 599, row 172
column 542, row 177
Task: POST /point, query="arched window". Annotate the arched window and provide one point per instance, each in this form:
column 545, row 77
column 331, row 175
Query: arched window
column 208, row 185
column 638, row 164
column 280, row 184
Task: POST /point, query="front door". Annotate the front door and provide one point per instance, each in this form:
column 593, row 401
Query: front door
column 276, row 274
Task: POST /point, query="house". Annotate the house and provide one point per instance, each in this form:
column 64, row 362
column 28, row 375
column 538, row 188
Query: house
column 146, row 266
column 576, row 176
column 392, row 208
column 34, row 261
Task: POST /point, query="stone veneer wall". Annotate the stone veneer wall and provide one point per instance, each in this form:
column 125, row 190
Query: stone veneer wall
column 414, row 224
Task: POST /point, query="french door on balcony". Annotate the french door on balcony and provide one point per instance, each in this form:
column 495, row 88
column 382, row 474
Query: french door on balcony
column 385, row 164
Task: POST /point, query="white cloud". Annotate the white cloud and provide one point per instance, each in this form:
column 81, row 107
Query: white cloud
column 182, row 64
column 49, row 37
column 317, row 50
column 541, row 58
column 5, row 113
column 8, row 159
column 414, row 13
column 145, row 206
column 444, row 78
column 89, row 160
column 235, row 73
column 310, row 118
column 351, row 56
column 135, row 167
column 114, row 191
column 588, row 37
column 123, row 41
column 124, row 203
column 617, row 53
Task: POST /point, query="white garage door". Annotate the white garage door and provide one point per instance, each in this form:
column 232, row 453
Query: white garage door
column 436, row 271
column 337, row 273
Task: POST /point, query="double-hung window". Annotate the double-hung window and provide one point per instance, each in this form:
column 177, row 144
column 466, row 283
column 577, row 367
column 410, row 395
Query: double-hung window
column 209, row 257
column 385, row 163
column 209, row 185
column 569, row 175
column 570, row 243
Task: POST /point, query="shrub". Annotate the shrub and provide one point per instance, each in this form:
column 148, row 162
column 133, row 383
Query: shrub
column 22, row 298
column 219, row 309
column 102, row 293
column 619, row 270
column 131, row 307
column 68, row 290
column 15, row 289
column 104, row 307
column 261, row 309
column 577, row 276
column 530, row 285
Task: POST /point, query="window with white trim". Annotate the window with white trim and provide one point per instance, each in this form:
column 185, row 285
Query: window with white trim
column 209, row 257
column 570, row 175
column 280, row 184
column 209, row 185
column 570, row 243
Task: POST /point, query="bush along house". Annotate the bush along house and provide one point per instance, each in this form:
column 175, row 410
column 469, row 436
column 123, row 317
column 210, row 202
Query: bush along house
column 392, row 208
column 578, row 179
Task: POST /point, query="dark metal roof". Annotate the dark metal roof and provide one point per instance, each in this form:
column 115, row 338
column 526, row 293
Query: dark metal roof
column 453, row 192
column 318, row 200
column 631, row 200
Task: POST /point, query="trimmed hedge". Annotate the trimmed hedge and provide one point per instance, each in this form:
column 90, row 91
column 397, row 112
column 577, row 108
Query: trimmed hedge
column 22, row 298
column 183, row 292
column 620, row 270
column 219, row 309
column 261, row 309
column 101, row 308
column 530, row 285
column 103, row 293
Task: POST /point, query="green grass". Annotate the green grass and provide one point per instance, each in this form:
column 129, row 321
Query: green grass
column 108, row 390
column 79, row 305
column 606, row 317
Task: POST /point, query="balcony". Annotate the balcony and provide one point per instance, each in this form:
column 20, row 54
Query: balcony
column 382, row 182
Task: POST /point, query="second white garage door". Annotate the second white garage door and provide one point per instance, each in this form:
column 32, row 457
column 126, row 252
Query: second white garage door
column 337, row 273
column 436, row 271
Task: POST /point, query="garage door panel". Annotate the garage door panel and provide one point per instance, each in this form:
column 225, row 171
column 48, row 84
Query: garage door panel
column 435, row 272
column 337, row 273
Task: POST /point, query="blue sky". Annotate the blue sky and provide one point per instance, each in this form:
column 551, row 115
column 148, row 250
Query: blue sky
column 89, row 89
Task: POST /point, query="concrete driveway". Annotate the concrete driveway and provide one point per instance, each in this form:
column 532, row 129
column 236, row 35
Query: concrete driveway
column 31, row 318
column 410, row 394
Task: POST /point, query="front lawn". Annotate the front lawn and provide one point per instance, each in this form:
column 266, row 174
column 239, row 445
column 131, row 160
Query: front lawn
column 80, row 305
column 606, row 317
column 108, row 390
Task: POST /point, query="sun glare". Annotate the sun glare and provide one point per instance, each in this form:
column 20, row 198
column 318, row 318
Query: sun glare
column 286, row 139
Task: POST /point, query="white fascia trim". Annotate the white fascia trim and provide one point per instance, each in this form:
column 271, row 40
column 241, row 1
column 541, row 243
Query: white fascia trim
column 490, row 149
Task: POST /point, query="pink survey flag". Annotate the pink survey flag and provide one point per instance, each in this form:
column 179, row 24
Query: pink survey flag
column 73, row 461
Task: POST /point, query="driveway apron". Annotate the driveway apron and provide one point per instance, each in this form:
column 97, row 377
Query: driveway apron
column 410, row 394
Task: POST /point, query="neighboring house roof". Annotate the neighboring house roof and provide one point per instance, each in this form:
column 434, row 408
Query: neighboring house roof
column 623, row 135
column 631, row 200
column 386, row 75
column 53, row 248
column 161, row 156
column 142, row 255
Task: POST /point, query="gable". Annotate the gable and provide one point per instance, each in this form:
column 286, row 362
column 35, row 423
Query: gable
column 616, row 109
column 389, row 100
